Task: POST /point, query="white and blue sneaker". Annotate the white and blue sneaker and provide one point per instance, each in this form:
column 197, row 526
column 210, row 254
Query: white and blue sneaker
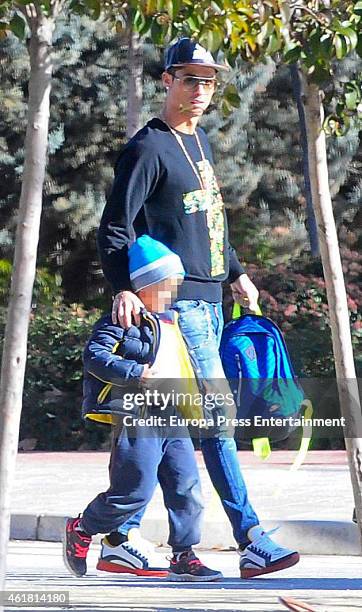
column 263, row 556
column 131, row 557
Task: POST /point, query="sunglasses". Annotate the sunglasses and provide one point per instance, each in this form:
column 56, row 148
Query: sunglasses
column 191, row 82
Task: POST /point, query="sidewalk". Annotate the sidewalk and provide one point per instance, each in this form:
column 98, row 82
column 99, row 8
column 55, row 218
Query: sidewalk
column 332, row 584
column 313, row 505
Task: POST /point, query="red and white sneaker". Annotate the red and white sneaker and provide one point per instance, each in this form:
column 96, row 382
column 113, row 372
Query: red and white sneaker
column 131, row 557
column 263, row 556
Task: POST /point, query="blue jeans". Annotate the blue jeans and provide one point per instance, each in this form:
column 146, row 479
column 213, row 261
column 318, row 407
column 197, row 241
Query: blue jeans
column 201, row 324
column 137, row 463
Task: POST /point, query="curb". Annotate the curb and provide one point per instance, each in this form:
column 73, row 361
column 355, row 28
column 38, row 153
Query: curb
column 308, row 537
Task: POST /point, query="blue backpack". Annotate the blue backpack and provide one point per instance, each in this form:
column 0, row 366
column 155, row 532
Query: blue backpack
column 258, row 367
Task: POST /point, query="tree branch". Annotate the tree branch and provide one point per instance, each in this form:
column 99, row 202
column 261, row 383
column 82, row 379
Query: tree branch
column 37, row 9
column 57, row 6
column 29, row 12
column 301, row 7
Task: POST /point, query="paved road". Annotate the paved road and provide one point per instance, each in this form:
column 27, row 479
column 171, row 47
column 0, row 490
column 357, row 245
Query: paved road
column 330, row 584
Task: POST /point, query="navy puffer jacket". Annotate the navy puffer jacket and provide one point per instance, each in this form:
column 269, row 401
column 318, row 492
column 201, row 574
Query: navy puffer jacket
column 113, row 364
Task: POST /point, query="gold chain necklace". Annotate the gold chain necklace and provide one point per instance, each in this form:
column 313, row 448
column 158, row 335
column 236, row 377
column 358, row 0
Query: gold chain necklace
column 197, row 173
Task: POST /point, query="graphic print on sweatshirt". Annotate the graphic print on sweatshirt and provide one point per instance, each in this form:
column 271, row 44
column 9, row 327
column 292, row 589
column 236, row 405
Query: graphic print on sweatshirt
column 209, row 201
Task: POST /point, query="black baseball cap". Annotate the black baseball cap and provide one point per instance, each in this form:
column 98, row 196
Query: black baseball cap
column 186, row 51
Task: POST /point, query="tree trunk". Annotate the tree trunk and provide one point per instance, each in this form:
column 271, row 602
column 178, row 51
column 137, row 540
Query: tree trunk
column 336, row 291
column 26, row 242
column 312, row 224
column 135, row 89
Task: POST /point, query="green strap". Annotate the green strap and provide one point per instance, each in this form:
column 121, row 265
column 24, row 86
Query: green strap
column 261, row 447
column 306, row 438
column 236, row 313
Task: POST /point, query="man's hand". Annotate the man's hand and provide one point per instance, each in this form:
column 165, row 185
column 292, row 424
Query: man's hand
column 245, row 293
column 126, row 304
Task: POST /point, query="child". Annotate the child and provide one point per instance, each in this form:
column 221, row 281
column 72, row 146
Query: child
column 117, row 360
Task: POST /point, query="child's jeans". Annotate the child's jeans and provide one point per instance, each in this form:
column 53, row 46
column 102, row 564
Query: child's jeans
column 137, row 464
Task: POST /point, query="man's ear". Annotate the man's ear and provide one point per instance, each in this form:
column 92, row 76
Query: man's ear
column 167, row 79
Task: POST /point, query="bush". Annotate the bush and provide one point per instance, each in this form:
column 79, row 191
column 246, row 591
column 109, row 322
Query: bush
column 51, row 417
column 47, row 286
column 294, row 297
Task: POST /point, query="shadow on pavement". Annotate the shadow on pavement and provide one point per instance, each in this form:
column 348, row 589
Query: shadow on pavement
column 91, row 581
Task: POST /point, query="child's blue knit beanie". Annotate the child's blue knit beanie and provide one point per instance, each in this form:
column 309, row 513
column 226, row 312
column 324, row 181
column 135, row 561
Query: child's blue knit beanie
column 150, row 262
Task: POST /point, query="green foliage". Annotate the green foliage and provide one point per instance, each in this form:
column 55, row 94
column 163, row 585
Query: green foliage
column 256, row 149
column 294, row 296
column 258, row 158
column 87, row 129
column 17, row 26
column 316, row 34
column 5, row 278
column 16, row 21
column 47, row 290
column 53, row 380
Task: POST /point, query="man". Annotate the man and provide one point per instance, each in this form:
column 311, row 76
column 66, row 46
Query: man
column 165, row 186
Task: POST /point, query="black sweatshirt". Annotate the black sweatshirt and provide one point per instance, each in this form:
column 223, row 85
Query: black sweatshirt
column 156, row 192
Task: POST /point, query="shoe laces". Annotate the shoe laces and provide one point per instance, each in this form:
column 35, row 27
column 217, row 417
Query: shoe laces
column 265, row 544
column 136, row 552
column 144, row 545
column 140, row 543
column 80, row 551
column 79, row 531
column 82, row 545
column 196, row 562
column 189, row 557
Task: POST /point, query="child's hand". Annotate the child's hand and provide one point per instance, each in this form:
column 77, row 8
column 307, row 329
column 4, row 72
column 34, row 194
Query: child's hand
column 149, row 376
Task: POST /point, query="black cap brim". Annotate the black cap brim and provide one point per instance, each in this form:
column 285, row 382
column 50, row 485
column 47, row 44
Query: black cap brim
column 196, row 63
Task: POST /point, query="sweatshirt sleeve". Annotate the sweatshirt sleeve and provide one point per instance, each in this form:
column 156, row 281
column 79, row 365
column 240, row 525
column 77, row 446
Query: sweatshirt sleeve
column 235, row 267
column 136, row 176
column 99, row 361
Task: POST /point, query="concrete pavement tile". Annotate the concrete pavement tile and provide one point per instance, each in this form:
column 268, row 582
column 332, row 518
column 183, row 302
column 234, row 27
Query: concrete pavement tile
column 24, row 526
column 331, row 584
column 51, row 528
